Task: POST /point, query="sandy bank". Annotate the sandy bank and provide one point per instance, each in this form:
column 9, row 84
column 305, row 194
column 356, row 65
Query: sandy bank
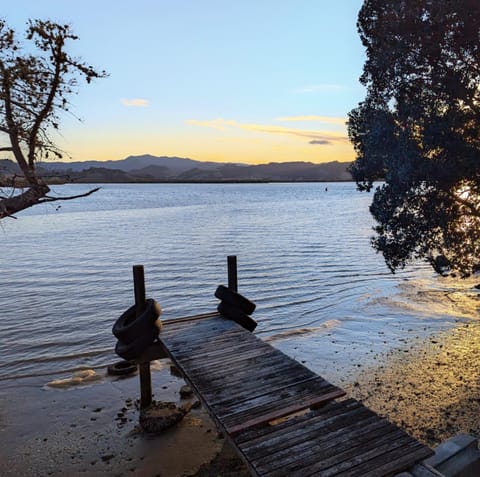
column 430, row 388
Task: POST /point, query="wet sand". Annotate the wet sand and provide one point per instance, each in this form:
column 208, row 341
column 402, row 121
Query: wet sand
column 431, row 388
column 91, row 430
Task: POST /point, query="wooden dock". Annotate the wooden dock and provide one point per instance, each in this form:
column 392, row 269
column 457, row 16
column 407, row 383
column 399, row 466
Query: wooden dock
column 246, row 385
column 282, row 418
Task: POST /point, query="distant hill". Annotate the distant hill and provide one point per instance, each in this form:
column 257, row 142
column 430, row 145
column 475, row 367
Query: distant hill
column 176, row 165
column 8, row 167
column 274, row 171
column 149, row 168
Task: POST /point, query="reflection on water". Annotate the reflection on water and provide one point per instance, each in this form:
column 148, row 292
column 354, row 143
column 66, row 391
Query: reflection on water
column 444, row 296
column 323, row 296
column 283, row 335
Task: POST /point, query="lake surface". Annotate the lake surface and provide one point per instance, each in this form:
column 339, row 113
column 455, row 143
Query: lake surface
column 323, row 295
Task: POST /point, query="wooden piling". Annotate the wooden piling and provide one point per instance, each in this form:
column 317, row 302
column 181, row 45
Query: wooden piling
column 143, row 368
column 232, row 272
column 139, row 289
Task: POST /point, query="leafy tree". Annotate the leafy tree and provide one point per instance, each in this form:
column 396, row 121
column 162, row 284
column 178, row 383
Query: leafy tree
column 36, row 79
column 418, row 130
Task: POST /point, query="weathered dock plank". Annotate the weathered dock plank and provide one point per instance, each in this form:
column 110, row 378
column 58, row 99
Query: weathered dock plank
column 224, row 364
column 342, row 439
column 247, row 385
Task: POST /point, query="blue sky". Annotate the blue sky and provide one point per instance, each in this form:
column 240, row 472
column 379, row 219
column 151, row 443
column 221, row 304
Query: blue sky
column 250, row 81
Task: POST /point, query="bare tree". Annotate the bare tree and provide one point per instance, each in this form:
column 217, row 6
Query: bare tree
column 37, row 76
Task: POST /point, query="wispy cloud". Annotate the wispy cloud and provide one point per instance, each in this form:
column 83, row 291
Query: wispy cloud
column 322, row 142
column 322, row 137
column 321, row 88
column 320, row 119
column 135, row 102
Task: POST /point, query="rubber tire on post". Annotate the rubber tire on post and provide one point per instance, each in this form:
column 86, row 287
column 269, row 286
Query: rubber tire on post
column 235, row 299
column 134, row 349
column 128, row 327
column 237, row 315
column 122, row 368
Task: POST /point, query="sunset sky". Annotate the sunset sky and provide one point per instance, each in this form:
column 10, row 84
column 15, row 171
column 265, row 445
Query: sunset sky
column 250, row 81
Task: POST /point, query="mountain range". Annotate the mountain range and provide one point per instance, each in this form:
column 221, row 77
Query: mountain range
column 148, row 168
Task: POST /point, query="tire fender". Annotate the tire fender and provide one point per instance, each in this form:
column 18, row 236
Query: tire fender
column 237, row 315
column 122, row 368
column 129, row 327
column 132, row 350
column 235, row 299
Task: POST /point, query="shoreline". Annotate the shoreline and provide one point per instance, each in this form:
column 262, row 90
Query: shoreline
column 430, row 388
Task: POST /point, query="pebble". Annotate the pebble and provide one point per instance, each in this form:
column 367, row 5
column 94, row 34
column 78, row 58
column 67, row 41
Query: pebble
column 185, row 391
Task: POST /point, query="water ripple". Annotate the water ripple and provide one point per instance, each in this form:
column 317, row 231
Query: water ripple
column 304, row 257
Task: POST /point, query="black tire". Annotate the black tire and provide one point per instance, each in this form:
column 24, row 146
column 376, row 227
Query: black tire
column 133, row 350
column 238, row 316
column 235, row 299
column 122, row 368
column 128, row 327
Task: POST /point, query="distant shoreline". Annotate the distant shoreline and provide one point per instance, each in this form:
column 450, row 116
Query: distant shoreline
column 153, row 169
column 211, row 181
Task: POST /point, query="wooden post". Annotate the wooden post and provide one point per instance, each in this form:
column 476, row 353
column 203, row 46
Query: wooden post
column 232, row 272
column 144, row 368
column 139, row 289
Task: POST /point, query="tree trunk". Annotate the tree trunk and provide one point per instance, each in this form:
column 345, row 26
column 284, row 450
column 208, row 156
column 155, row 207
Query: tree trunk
column 14, row 204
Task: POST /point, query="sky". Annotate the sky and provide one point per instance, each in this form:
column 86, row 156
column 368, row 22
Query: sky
column 251, row 81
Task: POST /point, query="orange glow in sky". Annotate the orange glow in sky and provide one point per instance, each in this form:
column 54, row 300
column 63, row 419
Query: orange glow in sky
column 249, row 81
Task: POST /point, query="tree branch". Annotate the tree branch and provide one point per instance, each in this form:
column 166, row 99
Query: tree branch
column 12, row 129
column 31, row 196
column 54, row 199
column 472, row 207
column 57, row 56
column 36, row 194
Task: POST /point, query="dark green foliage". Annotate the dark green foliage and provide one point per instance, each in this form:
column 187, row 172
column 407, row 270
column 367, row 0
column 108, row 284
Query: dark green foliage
column 418, row 130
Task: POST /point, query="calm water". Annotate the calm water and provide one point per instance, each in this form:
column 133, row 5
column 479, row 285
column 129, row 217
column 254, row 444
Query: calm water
column 323, row 295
